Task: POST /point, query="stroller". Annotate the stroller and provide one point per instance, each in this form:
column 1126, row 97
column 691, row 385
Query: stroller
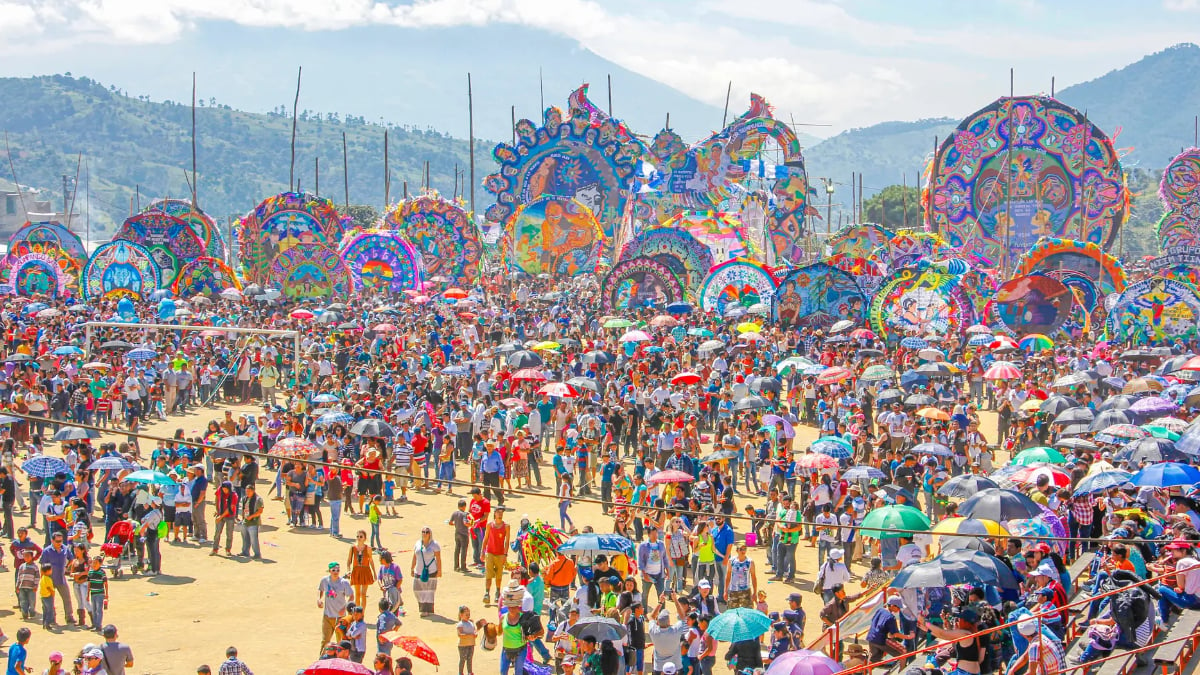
column 118, row 545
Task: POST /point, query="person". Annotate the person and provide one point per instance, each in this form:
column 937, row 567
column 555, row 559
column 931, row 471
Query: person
column 743, row 655
column 1043, row 655
column 148, row 537
column 466, row 641
column 425, row 570
column 969, row 652
column 225, row 511
column 362, row 567
column 46, row 593
column 832, row 573
column 58, row 556
column 460, row 521
column 232, row 665
column 741, row 579
column 27, row 577
column 666, row 635
column 97, row 591
column 885, row 626
column 333, row 595
column 55, row 667
column 356, row 633
column 1185, row 592
column 19, row 653
column 391, row 582
column 117, row 656
column 252, row 511
column 495, row 547
column 514, row 640
column 386, row 621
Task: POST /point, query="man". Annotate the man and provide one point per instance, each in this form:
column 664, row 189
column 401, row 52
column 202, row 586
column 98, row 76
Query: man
column 479, row 509
column 24, row 543
column 665, row 636
column 460, row 520
column 651, row 561
column 333, row 596
column 233, row 665
column 514, row 644
column 741, row 580
column 837, row 607
column 54, row 512
column 252, row 510
column 198, row 484
column 885, row 625
column 117, row 656
column 8, row 493
column 57, row 555
column 495, row 548
column 492, row 467
column 789, row 528
column 225, row 516
column 268, row 377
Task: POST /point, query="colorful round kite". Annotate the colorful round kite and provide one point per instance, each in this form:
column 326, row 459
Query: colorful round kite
column 120, row 269
column 383, row 260
column 443, row 233
column 1018, row 170
column 689, row 259
column 912, row 247
column 817, row 296
column 53, row 240
column 1179, row 227
column 553, row 235
column 1067, row 254
column 204, row 275
column 921, row 300
column 1154, row 311
column 859, row 241
column 1035, row 303
column 589, row 157
column 737, row 282
column 307, row 271
column 170, row 241
column 201, row 223
column 723, row 234
column 36, row 274
column 1181, row 180
column 283, row 221
column 1181, row 263
column 639, row 282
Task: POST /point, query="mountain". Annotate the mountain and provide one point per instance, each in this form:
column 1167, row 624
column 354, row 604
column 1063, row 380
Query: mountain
column 1146, row 102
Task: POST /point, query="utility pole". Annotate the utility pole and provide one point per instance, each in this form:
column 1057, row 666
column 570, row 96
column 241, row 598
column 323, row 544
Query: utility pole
column 828, row 204
column 66, row 180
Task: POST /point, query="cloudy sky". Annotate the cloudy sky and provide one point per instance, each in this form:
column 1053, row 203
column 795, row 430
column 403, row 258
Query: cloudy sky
column 846, row 63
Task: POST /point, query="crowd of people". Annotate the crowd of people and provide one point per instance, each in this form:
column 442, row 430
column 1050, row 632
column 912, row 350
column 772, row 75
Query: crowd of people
column 716, row 446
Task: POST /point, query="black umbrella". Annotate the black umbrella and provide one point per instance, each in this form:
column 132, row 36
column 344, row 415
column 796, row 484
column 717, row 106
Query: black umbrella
column 1138, row 355
column 19, row 358
column 1108, row 418
column 1076, row 444
column 242, row 443
column 1074, row 429
column 252, row 289
column 1173, row 364
column 509, row 348
column 74, row 434
column 946, row 571
column 1192, row 400
column 888, row 396
column 965, row 485
column 1148, row 449
column 1057, row 403
column 524, row 359
column 999, row 505
column 869, row 353
column 372, row 428
column 1116, row 402
column 752, row 403
column 920, row 400
column 967, row 543
column 761, row 384
column 892, row 491
column 349, row 325
column 995, row 572
column 936, row 369
column 1074, row 416
column 599, row 356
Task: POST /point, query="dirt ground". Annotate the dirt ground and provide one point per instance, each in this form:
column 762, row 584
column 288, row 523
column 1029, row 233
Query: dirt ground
column 268, row 609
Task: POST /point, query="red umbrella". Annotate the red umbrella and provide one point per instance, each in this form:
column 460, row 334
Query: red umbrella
column 512, row 402
column 301, row 314
column 337, row 667
column 456, row 293
column 1059, row 478
column 529, row 374
column 295, row 448
column 1192, row 364
column 834, row 374
column 862, row 334
column 670, row 476
column 816, row 460
column 559, row 389
column 413, row 645
column 685, row 378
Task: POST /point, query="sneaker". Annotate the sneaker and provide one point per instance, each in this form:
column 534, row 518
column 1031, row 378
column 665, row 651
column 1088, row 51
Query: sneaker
column 487, row 598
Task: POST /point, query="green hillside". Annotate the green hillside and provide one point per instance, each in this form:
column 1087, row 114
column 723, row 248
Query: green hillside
column 137, row 146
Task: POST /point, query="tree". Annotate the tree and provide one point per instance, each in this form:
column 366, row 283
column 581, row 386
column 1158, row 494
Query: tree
column 363, row 216
column 887, row 207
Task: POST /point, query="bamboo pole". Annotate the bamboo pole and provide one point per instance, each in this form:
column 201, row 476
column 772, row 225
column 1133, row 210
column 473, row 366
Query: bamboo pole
column 195, row 178
column 471, row 133
column 13, row 167
column 345, row 172
column 295, row 107
column 725, row 115
column 387, row 174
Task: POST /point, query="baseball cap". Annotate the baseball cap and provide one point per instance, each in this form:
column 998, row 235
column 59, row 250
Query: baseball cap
column 332, row 565
column 794, row 597
column 704, row 583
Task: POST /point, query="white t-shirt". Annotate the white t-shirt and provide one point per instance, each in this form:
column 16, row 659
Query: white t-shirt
column 909, row 554
column 581, row 602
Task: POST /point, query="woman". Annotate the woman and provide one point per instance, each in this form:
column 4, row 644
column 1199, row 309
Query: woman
column 383, row 664
column 679, row 550
column 77, row 572
column 706, row 554
column 425, row 570
column 564, row 503
column 362, row 568
column 314, row 490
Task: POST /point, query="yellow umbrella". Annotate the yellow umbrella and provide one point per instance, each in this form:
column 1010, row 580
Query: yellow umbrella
column 970, row 526
column 747, row 327
column 1032, row 405
column 545, row 346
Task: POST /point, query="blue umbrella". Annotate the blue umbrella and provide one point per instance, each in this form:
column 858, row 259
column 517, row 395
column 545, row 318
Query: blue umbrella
column 456, row 371
column 1189, row 442
column 740, row 623
column 1166, row 474
column 856, row 473
column 325, row 398
column 832, row 446
column 8, row 419
column 141, row 354
column 112, row 463
column 68, row 350
column 980, row 340
column 596, row 543
column 913, row 343
column 1102, row 481
column 45, row 467
column 679, row 308
column 912, row 377
column 150, row 477
column 35, row 307
column 332, row 418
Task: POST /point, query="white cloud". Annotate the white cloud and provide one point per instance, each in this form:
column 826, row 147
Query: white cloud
column 1181, row 5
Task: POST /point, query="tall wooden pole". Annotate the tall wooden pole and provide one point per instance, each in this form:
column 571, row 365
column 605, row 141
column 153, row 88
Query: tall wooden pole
column 610, row 95
column 71, row 207
column 904, row 198
column 932, row 181
column 668, row 121
column 541, row 95
column 13, row 168
column 471, row 132
column 1051, row 86
column 87, row 202
column 725, row 115
column 405, row 186
column 387, row 174
column 295, row 109
column 861, row 201
column 853, row 199
column 1008, row 171
column 1083, row 162
column 345, row 172
column 513, row 111
column 317, row 176
column 195, row 178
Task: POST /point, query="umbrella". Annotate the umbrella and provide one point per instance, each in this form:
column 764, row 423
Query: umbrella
column 1035, row 343
column 1189, row 442
column 877, row 372
column 1153, row 406
column 1057, row 404
column 685, row 378
column 863, row 334
column 1039, row 455
column 1003, row 343
column 524, row 359
column 761, row 384
column 834, row 446
column 1076, row 444
column 584, row 383
column 803, row 662
column 1002, row 371
column 776, row 420
column 669, row 476
column 149, row 477
column 719, row 456
column 936, row 449
column 592, row 543
column 372, row 428
column 993, row 569
column 301, row 314
column 295, row 448
column 679, row 308
column 1170, row 424
column 1120, row 432
column 96, row 365
column 816, row 460
column 1000, row 505
column 1141, row 385
column 932, row 413
column 337, row 667
column 558, row 390
column 937, row 573
column 529, row 374
column 243, row 443
column 635, row 336
column 970, row 526
column 936, row 369
column 965, row 485
column 456, row 371
column 413, row 645
column 1074, row 415
column 752, row 403
column 546, row 346
column 45, row 467
column 599, row 627
column 888, row 396
column 881, row 523
column 700, row 332
column 618, row 323
column 141, row 354
column 1072, row 380
column 1099, row 482
column 1030, row 475
column 980, row 339
column 600, row 357
column 331, row 418
column 67, row 350
column 1116, row 402
column 112, row 463
column 870, row 353
column 74, row 434
column 917, row 400
column 1166, row 474
column 857, row 473
column 740, row 623
column 841, row 326
column 913, row 343
column 711, row 345
column 834, row 375
column 1147, row 449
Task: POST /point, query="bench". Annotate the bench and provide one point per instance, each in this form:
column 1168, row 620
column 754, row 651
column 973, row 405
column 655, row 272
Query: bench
column 1081, row 565
column 1171, row 657
column 1119, row 664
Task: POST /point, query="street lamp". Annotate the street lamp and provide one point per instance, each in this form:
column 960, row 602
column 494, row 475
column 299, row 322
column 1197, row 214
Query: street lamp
column 828, row 205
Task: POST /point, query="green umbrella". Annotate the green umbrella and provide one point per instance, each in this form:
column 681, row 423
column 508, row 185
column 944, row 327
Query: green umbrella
column 699, row 332
column 1039, row 455
column 877, row 372
column 618, row 323
column 894, row 517
column 740, row 623
column 1161, row 432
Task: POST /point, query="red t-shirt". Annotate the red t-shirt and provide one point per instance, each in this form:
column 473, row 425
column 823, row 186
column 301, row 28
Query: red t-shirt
column 493, row 540
column 479, row 509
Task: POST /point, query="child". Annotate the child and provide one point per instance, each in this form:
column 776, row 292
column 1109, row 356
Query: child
column 18, row 652
column 391, row 580
column 46, row 592
column 385, row 622
column 466, row 642
column 27, row 584
column 761, row 605
column 389, row 495
column 97, row 593
column 373, row 517
column 103, row 411
column 446, row 467
column 356, row 632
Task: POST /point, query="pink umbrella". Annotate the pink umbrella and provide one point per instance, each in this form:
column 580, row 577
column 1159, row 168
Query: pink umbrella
column 336, row 667
column 804, row 662
column 834, row 374
column 816, row 460
column 1002, row 371
column 384, row 328
column 669, row 476
column 559, row 389
column 635, row 336
column 685, row 378
column 301, row 314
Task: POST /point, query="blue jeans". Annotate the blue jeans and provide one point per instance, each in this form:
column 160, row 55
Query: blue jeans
column 335, row 517
column 1170, row 597
column 445, row 473
column 375, row 543
column 823, row 548
column 658, row 582
column 563, row 518
column 517, row 660
column 97, row 605
column 250, row 540
column 785, row 564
